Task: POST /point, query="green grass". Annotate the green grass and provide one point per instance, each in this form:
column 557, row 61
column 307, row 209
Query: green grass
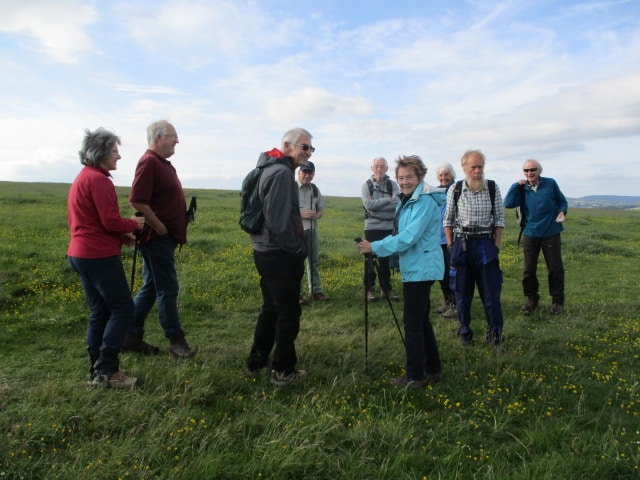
column 562, row 402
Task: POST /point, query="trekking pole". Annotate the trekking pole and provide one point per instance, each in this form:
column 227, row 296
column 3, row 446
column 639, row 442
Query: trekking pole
column 367, row 257
column 386, row 294
column 310, row 253
column 135, row 253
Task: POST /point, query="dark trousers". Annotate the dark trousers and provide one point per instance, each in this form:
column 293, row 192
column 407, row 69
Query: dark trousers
column 420, row 341
column 279, row 319
column 105, row 288
column 383, row 263
column 445, row 283
column 160, row 286
column 478, row 265
column 551, row 250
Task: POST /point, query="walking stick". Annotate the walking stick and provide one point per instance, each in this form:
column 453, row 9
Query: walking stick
column 310, row 253
column 367, row 257
column 135, row 253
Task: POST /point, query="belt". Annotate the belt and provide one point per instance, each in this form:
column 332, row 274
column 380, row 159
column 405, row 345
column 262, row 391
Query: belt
column 475, row 236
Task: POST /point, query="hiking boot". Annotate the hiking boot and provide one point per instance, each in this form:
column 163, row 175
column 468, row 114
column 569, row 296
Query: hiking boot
column 371, row 296
column 115, row 380
column 451, row 313
column 496, row 341
column 443, row 308
column 281, row 379
column 465, row 341
column 319, row 296
column 390, row 295
column 404, row 382
column 556, row 309
column 179, row 347
column 530, row 306
column 133, row 343
column 253, row 373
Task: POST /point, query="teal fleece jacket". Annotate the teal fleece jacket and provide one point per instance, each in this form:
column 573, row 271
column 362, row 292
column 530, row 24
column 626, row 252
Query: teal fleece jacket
column 417, row 240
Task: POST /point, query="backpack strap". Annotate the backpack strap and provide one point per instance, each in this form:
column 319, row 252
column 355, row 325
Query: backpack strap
column 370, row 185
column 457, row 191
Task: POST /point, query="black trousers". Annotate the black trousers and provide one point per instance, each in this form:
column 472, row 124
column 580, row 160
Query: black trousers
column 552, row 252
column 383, row 263
column 279, row 319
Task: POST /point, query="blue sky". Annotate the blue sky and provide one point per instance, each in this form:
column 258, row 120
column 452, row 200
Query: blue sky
column 558, row 81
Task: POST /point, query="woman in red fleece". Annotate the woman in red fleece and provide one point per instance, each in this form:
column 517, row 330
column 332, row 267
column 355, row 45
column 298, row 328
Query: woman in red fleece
column 97, row 234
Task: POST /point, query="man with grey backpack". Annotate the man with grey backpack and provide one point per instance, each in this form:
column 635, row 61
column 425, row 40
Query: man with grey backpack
column 380, row 199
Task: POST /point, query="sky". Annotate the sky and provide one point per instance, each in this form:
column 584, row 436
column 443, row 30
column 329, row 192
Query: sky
column 554, row 80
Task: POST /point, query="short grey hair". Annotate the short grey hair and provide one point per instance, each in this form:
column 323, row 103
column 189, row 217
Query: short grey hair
column 471, row 153
column 386, row 164
column 534, row 161
column 446, row 167
column 158, row 127
column 96, row 146
column 292, row 136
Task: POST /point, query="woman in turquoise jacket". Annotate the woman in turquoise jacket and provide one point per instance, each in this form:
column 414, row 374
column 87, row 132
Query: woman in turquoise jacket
column 417, row 242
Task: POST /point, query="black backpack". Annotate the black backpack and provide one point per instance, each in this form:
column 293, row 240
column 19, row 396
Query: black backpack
column 521, row 218
column 492, row 194
column 251, row 216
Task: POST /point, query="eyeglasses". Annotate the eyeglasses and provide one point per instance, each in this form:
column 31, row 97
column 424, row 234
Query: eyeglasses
column 306, row 147
column 527, row 170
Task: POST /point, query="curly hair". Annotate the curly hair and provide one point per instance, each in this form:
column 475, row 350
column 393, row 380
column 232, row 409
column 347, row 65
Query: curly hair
column 96, row 146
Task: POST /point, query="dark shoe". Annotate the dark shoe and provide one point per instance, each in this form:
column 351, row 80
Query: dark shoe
column 135, row 344
column 530, row 306
column 496, row 341
column 319, row 296
column 390, row 295
column 451, row 313
column 443, row 308
column 179, row 347
column 434, row 377
column 404, row 382
column 371, row 296
column 253, row 373
column 465, row 341
column 281, row 379
column 115, row 380
column 556, row 309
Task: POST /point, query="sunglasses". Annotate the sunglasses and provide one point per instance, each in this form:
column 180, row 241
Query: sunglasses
column 306, row 147
column 527, row 170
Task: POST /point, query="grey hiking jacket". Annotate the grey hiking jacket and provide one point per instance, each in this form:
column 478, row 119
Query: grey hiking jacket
column 278, row 191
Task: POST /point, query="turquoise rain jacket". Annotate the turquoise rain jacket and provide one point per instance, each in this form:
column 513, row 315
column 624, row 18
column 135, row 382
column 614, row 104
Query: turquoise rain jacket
column 417, row 240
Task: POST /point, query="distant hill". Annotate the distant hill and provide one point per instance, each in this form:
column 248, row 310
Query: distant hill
column 605, row 201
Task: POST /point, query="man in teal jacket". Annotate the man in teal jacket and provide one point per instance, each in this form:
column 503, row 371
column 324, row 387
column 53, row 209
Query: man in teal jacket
column 417, row 241
column 545, row 208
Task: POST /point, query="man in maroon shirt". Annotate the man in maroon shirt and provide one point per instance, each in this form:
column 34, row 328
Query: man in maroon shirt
column 157, row 194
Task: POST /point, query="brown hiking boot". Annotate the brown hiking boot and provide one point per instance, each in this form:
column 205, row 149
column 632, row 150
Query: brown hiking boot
column 530, row 306
column 115, row 380
column 179, row 347
column 135, row 344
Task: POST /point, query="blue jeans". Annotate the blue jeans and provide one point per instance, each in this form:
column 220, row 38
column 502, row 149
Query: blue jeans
column 420, row 341
column 552, row 251
column 107, row 294
column 477, row 265
column 279, row 319
column 160, row 285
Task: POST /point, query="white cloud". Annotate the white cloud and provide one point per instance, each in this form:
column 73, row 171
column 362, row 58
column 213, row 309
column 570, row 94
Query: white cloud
column 58, row 27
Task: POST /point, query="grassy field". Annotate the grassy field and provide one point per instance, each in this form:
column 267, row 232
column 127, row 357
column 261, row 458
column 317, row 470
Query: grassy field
column 563, row 402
